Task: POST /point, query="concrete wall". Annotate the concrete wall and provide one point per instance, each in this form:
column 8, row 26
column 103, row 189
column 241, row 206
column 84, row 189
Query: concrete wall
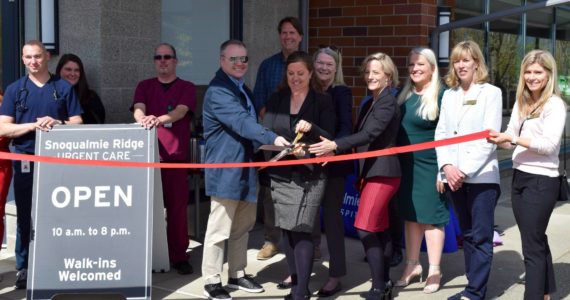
column 115, row 39
column 260, row 20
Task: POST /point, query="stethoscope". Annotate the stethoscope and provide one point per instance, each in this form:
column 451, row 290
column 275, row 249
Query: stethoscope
column 21, row 102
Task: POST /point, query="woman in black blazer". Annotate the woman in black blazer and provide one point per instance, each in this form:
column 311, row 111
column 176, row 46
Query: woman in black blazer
column 377, row 128
column 297, row 190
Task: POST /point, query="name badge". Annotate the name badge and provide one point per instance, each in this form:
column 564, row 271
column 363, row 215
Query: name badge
column 470, row 102
column 168, row 125
column 25, row 166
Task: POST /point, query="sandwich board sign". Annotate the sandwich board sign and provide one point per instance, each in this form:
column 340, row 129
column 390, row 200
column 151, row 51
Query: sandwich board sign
column 93, row 225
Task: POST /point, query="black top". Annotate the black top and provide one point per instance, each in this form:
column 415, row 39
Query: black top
column 376, row 130
column 342, row 98
column 93, row 111
column 317, row 109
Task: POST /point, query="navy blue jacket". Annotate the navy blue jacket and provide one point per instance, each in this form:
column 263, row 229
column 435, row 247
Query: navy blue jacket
column 231, row 131
column 342, row 97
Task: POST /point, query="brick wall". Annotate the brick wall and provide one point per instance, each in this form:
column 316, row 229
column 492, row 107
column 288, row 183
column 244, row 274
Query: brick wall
column 363, row 27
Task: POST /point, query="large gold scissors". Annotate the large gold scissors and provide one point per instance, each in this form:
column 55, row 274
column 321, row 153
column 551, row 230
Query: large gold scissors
column 284, row 150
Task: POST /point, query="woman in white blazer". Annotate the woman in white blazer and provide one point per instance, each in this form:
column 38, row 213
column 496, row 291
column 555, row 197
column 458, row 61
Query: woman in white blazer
column 470, row 170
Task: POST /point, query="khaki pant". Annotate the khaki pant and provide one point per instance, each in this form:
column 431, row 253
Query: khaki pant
column 229, row 220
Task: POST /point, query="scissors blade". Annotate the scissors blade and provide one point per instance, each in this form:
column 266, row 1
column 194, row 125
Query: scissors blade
column 272, row 148
column 281, row 154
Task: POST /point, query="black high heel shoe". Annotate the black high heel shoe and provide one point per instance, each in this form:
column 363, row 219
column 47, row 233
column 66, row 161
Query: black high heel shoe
column 283, row 285
column 290, row 296
column 388, row 291
column 377, row 294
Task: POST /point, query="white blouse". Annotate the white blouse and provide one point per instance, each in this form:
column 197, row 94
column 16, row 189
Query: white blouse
column 544, row 132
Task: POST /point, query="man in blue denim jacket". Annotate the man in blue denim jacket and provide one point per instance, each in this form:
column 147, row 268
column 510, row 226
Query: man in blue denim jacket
column 232, row 134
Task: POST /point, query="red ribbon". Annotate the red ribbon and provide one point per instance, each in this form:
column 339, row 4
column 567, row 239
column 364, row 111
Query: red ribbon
column 129, row 164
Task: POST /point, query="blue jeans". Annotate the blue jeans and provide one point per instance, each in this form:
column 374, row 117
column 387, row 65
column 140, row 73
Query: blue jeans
column 23, row 186
column 474, row 205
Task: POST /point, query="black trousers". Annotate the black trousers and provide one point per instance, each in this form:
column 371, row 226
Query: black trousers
column 533, row 199
column 334, row 225
column 23, row 187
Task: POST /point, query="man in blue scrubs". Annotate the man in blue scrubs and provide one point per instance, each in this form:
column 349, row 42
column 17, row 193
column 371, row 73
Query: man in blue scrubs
column 38, row 100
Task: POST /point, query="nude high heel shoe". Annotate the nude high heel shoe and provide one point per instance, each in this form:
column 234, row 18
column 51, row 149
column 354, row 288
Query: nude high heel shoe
column 407, row 278
column 433, row 280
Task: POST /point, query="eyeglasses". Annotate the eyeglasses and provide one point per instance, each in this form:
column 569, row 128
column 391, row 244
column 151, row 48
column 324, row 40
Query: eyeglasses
column 165, row 57
column 234, row 59
column 325, row 64
column 331, row 47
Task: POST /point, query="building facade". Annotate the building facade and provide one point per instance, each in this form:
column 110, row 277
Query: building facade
column 115, row 38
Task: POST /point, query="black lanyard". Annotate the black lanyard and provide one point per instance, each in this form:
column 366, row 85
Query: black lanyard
column 527, row 118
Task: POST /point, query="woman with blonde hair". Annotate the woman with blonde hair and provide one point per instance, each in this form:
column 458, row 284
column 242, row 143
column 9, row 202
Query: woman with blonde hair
column 470, row 170
column 534, row 131
column 423, row 208
column 327, row 62
column 376, row 129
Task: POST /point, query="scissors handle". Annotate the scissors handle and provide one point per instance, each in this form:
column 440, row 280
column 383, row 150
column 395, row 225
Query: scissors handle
column 297, row 138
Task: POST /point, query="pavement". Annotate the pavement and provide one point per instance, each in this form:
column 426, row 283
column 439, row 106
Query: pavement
column 504, row 282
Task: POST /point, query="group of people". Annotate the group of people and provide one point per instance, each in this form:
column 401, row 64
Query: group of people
column 309, row 111
column 301, row 104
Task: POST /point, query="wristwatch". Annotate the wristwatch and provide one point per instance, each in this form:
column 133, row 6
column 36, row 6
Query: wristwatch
column 514, row 140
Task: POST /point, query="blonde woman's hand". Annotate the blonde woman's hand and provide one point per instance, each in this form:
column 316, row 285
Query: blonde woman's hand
column 454, row 177
column 324, row 147
column 500, row 139
column 439, row 186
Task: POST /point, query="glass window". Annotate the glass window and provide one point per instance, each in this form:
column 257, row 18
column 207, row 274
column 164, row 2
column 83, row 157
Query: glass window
column 505, row 49
column 562, row 54
column 500, row 5
column 467, row 9
column 196, row 29
column 538, row 29
column 31, row 11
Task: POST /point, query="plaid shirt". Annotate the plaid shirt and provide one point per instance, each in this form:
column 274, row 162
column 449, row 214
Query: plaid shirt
column 269, row 77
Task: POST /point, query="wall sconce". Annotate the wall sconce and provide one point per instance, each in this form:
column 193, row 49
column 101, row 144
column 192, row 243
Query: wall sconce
column 49, row 25
column 443, row 17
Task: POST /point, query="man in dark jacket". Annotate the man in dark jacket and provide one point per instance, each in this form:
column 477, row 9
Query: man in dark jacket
column 232, row 134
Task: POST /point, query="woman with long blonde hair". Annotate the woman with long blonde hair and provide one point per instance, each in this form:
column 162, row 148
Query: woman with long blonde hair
column 534, row 131
column 424, row 210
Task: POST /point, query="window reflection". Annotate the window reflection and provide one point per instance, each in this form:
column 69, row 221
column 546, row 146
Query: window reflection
column 562, row 54
column 505, row 47
column 196, row 28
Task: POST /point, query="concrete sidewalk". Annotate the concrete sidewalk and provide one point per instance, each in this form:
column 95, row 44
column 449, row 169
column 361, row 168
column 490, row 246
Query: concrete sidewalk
column 507, row 266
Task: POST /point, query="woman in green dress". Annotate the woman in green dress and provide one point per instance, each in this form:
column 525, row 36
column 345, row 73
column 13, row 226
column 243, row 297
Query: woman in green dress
column 424, row 210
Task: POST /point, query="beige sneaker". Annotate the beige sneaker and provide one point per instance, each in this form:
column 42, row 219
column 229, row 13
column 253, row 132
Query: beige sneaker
column 267, row 251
